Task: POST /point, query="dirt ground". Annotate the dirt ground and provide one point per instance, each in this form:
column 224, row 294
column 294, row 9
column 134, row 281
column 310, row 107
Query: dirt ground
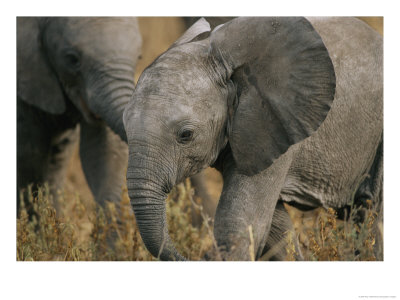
column 158, row 34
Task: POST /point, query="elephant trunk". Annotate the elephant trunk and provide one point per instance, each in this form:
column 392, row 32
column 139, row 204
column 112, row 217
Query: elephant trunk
column 109, row 93
column 148, row 202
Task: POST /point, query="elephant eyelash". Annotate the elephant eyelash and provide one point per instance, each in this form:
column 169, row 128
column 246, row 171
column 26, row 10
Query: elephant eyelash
column 185, row 136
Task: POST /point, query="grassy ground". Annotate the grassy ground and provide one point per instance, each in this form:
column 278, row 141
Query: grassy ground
column 74, row 233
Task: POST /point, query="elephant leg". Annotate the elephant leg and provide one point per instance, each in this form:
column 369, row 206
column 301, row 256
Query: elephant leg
column 246, row 208
column 369, row 195
column 372, row 189
column 44, row 146
column 33, row 147
column 61, row 149
column 104, row 158
column 278, row 240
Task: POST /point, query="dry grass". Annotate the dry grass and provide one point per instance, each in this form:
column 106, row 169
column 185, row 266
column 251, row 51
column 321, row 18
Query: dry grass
column 323, row 237
column 74, row 233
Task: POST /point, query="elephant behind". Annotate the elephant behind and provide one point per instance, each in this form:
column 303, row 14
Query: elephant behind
column 74, row 78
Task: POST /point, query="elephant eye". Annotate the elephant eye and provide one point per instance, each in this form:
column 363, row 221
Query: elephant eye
column 72, row 59
column 185, row 136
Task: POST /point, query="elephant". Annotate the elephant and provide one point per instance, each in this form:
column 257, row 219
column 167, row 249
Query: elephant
column 74, row 77
column 288, row 109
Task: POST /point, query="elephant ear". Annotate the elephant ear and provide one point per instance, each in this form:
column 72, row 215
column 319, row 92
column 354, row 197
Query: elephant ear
column 285, row 84
column 195, row 31
column 36, row 82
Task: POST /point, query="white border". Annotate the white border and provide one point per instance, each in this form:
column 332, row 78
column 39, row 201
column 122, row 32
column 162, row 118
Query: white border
column 113, row 280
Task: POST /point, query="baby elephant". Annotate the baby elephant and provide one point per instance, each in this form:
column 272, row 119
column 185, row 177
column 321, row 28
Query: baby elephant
column 74, row 71
column 288, row 109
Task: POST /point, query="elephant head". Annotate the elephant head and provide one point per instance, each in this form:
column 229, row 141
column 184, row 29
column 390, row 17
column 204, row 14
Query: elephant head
column 89, row 61
column 242, row 95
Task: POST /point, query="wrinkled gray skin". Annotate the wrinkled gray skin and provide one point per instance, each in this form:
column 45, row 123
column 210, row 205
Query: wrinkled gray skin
column 74, row 71
column 288, row 109
column 199, row 180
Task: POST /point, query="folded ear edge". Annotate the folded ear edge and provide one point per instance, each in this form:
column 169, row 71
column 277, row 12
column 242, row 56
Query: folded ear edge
column 197, row 30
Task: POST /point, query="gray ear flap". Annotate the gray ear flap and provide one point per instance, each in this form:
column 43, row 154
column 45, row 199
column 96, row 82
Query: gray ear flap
column 285, row 84
column 36, row 82
column 195, row 31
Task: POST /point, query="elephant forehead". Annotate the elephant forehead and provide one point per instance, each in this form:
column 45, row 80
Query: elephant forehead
column 172, row 103
column 186, row 67
column 166, row 108
column 182, row 82
column 156, row 118
column 185, row 86
column 176, row 81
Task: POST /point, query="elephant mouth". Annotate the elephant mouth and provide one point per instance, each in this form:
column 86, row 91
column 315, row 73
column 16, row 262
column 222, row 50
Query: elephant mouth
column 88, row 115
